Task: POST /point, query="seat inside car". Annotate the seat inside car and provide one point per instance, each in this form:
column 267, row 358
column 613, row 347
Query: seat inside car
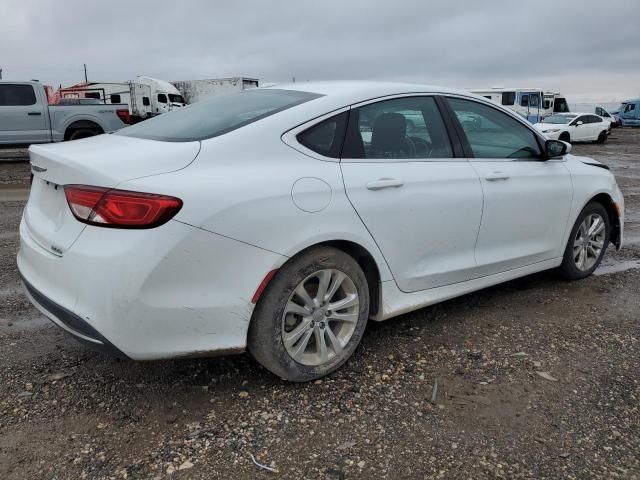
column 388, row 137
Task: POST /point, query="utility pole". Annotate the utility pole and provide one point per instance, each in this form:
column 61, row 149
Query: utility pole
column 85, row 73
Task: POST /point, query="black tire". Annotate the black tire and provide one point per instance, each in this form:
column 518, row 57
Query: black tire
column 569, row 269
column 602, row 137
column 83, row 133
column 565, row 137
column 265, row 339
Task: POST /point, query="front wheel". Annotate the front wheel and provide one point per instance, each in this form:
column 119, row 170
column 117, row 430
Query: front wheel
column 602, row 137
column 312, row 315
column 587, row 243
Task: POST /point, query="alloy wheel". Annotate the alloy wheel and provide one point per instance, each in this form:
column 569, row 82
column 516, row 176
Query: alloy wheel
column 589, row 241
column 320, row 317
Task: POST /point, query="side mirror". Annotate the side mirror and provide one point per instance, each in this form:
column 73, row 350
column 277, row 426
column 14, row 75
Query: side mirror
column 578, row 123
column 556, row 148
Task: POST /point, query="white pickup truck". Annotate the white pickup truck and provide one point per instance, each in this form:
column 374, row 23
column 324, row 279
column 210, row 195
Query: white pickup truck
column 26, row 116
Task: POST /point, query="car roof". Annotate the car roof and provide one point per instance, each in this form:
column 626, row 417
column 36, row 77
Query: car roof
column 362, row 88
column 338, row 94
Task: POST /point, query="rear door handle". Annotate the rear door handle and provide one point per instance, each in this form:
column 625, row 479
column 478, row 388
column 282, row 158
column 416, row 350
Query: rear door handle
column 495, row 176
column 34, row 113
column 384, row 183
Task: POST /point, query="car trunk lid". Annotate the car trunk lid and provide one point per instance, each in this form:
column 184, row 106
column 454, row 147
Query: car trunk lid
column 103, row 161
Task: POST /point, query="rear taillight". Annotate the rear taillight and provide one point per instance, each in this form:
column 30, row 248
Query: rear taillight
column 123, row 114
column 105, row 207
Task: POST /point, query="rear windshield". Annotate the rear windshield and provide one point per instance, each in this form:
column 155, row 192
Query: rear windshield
column 217, row 115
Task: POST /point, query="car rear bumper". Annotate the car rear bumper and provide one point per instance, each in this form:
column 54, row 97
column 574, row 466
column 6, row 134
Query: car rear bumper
column 70, row 322
column 173, row 291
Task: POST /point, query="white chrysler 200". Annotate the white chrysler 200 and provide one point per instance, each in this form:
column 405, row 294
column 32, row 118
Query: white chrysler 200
column 280, row 220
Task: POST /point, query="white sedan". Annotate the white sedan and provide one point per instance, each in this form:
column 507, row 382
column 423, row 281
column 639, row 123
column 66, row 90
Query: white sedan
column 280, row 220
column 575, row 127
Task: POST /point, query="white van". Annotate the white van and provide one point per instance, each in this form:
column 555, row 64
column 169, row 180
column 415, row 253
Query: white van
column 594, row 108
column 528, row 102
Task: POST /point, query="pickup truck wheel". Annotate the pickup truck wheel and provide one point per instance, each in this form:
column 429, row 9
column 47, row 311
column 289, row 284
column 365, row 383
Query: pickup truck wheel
column 83, row 133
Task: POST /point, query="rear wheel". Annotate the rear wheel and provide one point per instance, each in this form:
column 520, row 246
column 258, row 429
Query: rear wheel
column 83, row 133
column 587, row 243
column 312, row 315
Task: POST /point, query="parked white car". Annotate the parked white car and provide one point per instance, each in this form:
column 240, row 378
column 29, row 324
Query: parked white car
column 575, row 127
column 599, row 110
column 281, row 220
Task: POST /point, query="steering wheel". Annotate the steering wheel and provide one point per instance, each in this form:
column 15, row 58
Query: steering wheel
column 423, row 148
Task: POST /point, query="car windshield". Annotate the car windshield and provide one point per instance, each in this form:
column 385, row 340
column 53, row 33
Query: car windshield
column 559, row 119
column 217, row 115
column 173, row 98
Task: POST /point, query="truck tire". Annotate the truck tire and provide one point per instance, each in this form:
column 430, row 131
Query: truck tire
column 83, row 133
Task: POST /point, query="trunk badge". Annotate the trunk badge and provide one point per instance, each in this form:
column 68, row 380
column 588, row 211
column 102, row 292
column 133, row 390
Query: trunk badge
column 38, row 169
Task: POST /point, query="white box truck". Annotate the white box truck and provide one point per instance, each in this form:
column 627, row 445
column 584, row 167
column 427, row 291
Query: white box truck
column 195, row 90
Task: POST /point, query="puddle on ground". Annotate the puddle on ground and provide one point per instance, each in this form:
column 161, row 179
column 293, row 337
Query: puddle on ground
column 616, row 267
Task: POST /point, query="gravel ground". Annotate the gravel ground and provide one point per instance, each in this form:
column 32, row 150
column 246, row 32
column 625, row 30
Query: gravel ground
column 535, row 378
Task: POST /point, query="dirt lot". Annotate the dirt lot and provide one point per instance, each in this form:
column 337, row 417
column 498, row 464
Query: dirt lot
column 536, row 378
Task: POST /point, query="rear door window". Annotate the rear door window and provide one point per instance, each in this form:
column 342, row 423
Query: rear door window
column 402, row 128
column 12, row 95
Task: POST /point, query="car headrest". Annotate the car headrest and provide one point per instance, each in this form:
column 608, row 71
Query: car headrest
column 389, row 131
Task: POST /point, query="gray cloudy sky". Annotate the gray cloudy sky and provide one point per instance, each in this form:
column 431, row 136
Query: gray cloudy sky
column 587, row 49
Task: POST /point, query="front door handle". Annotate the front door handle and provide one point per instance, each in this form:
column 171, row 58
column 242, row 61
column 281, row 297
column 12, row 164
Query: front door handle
column 495, row 176
column 34, row 113
column 384, row 183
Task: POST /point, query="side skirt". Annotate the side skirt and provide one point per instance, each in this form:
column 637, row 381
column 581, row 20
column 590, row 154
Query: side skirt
column 395, row 302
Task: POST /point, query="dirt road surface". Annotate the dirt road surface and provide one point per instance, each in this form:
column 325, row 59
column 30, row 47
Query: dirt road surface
column 537, row 378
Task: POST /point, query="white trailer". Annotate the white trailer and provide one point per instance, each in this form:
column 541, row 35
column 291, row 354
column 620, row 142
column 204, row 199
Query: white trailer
column 555, row 102
column 146, row 96
column 195, row 90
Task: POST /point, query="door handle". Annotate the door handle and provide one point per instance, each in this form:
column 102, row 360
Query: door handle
column 385, row 183
column 34, row 113
column 495, row 176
